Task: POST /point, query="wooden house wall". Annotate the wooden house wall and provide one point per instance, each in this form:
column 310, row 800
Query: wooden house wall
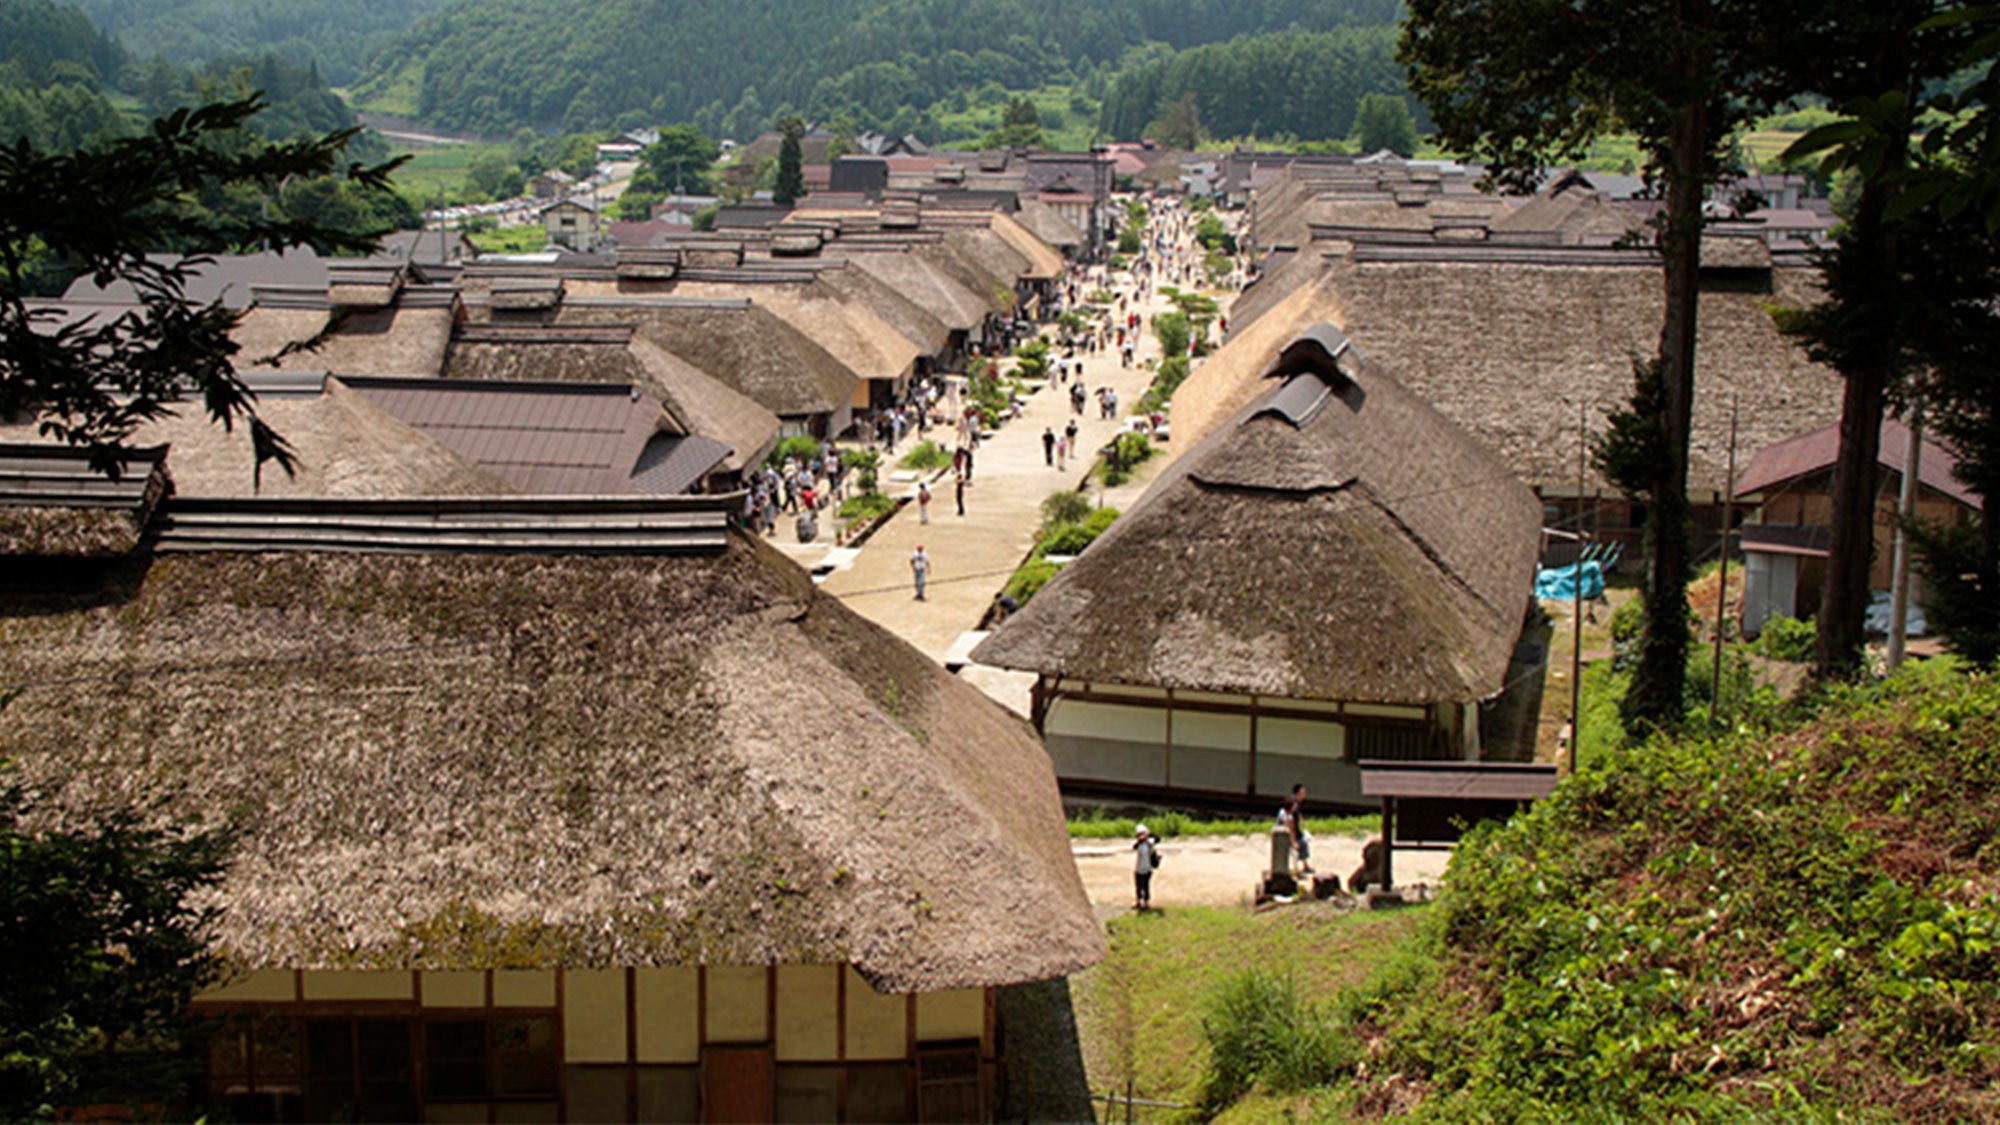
column 1225, row 747
column 624, row 1044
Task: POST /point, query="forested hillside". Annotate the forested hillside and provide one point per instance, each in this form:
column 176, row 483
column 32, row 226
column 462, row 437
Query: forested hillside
column 729, row 65
column 1306, row 86
column 339, row 36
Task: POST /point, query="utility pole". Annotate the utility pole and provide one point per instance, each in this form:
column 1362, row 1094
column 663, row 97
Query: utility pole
column 1576, row 606
column 1722, row 588
column 1899, row 565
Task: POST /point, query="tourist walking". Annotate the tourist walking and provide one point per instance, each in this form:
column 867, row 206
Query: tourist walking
column 1048, row 445
column 923, row 503
column 920, row 570
column 1145, row 859
column 1062, row 453
column 958, row 494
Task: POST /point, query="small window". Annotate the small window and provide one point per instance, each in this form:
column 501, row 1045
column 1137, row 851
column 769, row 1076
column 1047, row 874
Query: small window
column 481, row 1059
column 948, row 1082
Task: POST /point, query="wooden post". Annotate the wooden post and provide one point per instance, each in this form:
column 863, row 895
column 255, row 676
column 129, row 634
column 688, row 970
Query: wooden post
column 1722, row 589
column 1388, row 842
column 1576, row 612
column 1899, row 564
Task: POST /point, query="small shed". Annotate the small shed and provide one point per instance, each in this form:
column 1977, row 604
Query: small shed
column 1427, row 806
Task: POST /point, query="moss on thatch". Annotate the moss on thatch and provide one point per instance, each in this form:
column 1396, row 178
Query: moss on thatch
column 68, row 532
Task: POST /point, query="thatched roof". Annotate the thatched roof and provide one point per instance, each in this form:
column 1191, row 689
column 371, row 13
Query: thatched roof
column 850, row 330
column 384, row 341
column 1045, row 223
column 748, row 348
column 1337, row 540
column 913, row 320
column 935, row 290
column 452, row 761
column 1044, row 263
column 1509, row 348
column 697, row 402
column 55, row 504
column 346, row 446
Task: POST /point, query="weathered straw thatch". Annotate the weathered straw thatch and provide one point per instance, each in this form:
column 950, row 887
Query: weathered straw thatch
column 914, row 275
column 388, row 341
column 68, row 532
column 982, row 261
column 912, row 320
column 1573, row 217
column 697, row 402
column 707, row 406
column 1229, row 380
column 1048, row 225
column 1338, row 540
column 851, row 331
column 1508, row 350
column 748, row 348
column 465, row 762
column 1044, row 263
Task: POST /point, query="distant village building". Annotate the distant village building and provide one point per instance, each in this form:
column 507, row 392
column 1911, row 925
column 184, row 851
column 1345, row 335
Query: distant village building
column 593, row 810
column 1335, row 574
column 573, row 224
column 628, row 146
column 552, row 184
column 1787, row 489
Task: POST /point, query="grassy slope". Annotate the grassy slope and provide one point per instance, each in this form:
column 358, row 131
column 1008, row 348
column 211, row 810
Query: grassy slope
column 1140, row 1011
column 1798, row 925
column 438, row 168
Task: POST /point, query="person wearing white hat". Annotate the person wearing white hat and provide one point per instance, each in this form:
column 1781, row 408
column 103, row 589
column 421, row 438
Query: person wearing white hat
column 1146, row 854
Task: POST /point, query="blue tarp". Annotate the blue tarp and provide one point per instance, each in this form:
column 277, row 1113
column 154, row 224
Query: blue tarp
column 1559, row 583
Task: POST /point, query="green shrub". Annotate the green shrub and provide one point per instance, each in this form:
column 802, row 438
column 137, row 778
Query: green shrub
column 926, row 455
column 866, row 506
column 1068, row 506
column 1100, row 520
column 798, row 447
column 1069, row 539
column 1127, row 451
column 867, row 465
column 1029, row 580
column 1128, row 241
column 1262, row 1032
column 1788, row 638
column 1031, row 360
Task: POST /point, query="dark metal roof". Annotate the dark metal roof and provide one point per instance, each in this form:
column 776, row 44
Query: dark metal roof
column 1468, row 781
column 654, row 525
column 673, row 463
column 580, row 439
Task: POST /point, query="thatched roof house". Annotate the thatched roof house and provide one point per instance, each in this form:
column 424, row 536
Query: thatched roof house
column 1507, row 341
column 746, row 347
column 345, row 445
column 697, row 402
column 662, row 815
column 1336, row 542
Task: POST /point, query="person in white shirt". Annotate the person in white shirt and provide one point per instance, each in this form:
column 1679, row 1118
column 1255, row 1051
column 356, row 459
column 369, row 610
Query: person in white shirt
column 1146, row 857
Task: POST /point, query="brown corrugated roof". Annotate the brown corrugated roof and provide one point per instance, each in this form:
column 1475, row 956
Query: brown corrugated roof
column 1471, row 781
column 576, row 439
column 1817, row 450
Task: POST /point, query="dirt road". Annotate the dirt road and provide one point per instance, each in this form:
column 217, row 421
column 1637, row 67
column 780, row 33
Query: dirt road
column 1222, row 870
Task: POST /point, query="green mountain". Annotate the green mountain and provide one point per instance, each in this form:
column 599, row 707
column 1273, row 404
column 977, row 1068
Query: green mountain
column 339, row 36
column 730, row 65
